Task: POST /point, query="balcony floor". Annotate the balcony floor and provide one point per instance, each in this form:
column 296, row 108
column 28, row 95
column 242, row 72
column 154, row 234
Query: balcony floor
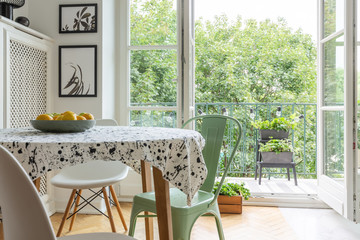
column 280, row 187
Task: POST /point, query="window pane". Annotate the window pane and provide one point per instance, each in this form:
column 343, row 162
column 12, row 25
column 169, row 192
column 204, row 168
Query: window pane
column 152, row 22
column 334, row 144
column 333, row 16
column 153, row 77
column 153, row 118
column 334, row 72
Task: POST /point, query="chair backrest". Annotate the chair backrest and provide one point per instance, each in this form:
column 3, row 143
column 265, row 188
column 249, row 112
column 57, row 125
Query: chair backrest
column 213, row 130
column 24, row 216
column 113, row 167
column 106, row 122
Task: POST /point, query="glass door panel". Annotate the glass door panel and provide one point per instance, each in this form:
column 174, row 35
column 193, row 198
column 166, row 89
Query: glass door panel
column 148, row 118
column 334, row 72
column 153, row 79
column 333, row 17
column 153, row 22
column 334, row 145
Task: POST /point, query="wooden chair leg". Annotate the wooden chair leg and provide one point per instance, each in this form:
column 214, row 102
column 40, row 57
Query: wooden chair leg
column 108, row 208
column 75, row 209
column 1, row 230
column 67, row 210
column 37, row 183
column 113, row 194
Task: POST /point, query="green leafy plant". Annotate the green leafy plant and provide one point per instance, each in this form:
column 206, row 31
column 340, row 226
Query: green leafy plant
column 279, row 124
column 233, row 189
column 276, row 145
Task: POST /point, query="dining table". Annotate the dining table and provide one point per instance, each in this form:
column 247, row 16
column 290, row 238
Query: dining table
column 174, row 155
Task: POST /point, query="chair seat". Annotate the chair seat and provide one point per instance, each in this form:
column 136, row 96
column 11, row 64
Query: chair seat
column 92, row 174
column 178, row 201
column 97, row 236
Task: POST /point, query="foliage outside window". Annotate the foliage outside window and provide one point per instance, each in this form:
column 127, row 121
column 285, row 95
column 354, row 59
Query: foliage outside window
column 279, row 124
column 276, row 145
column 240, row 61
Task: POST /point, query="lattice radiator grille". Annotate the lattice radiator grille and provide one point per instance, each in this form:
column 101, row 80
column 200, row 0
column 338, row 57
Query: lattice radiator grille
column 28, row 70
column 28, row 74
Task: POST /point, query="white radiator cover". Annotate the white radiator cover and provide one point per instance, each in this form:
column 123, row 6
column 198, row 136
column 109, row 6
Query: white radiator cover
column 25, row 65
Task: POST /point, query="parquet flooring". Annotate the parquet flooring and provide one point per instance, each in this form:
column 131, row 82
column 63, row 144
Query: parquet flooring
column 265, row 223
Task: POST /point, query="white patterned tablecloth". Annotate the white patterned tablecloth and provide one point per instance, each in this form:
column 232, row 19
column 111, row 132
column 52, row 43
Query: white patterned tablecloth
column 176, row 152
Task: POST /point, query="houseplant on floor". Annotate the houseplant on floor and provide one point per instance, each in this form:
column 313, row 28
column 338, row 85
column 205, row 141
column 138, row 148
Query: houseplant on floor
column 230, row 196
column 277, row 128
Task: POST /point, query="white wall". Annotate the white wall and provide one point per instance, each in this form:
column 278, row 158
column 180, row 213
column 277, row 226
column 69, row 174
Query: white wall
column 23, row 11
column 44, row 17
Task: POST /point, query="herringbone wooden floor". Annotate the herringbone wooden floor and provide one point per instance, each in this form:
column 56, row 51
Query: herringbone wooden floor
column 265, row 223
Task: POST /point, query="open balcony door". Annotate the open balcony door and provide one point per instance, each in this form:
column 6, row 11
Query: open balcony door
column 338, row 111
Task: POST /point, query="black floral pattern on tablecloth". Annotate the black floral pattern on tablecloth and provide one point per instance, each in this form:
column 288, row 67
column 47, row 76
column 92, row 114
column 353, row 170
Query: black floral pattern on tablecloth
column 176, row 152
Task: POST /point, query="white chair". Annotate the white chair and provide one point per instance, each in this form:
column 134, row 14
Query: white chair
column 24, row 216
column 93, row 174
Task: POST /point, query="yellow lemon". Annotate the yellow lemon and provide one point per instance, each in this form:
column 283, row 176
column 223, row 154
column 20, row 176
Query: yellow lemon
column 88, row 116
column 70, row 112
column 44, row 117
column 58, row 117
column 55, row 115
column 80, row 117
column 69, row 116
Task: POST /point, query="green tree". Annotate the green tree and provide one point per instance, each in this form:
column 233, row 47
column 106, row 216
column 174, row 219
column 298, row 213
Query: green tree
column 153, row 22
column 236, row 61
column 250, row 61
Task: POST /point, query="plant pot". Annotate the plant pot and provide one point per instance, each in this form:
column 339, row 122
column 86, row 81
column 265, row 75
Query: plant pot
column 230, row 204
column 266, row 134
column 273, row 157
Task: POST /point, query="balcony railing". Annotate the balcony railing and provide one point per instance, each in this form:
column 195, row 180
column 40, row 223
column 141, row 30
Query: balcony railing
column 303, row 137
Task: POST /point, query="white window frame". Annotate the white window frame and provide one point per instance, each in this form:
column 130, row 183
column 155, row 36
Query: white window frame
column 185, row 101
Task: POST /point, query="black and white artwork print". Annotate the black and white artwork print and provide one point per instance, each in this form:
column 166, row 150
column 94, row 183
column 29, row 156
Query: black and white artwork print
column 77, row 71
column 78, row 18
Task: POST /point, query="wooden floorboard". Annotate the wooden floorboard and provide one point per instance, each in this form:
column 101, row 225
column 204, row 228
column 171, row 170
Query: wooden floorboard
column 265, row 223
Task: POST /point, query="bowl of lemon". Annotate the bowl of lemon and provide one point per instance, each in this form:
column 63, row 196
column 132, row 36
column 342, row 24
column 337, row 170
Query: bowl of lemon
column 66, row 122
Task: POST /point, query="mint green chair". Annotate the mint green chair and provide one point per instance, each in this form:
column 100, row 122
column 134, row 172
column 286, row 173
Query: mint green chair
column 205, row 202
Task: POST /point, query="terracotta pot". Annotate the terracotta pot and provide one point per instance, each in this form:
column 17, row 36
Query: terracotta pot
column 230, row 204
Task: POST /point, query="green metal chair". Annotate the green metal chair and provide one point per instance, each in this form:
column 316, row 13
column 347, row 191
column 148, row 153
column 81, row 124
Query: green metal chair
column 205, row 202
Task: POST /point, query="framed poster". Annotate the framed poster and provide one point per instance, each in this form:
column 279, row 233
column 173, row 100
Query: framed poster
column 78, row 18
column 77, row 71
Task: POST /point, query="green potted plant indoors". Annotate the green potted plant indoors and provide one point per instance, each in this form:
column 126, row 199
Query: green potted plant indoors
column 276, row 151
column 230, row 196
column 278, row 128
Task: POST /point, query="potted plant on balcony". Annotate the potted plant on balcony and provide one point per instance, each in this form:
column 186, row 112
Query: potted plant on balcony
column 278, row 128
column 276, row 151
column 230, row 197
